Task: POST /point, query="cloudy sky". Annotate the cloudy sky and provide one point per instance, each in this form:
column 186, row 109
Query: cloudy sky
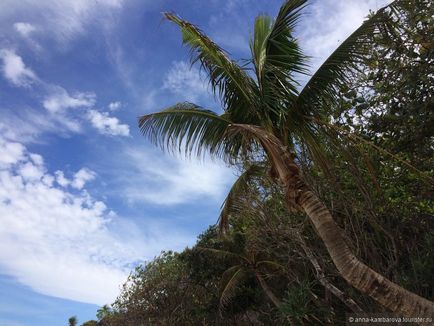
column 83, row 197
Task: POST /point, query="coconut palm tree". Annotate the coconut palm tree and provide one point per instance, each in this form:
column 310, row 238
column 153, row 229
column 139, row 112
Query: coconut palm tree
column 266, row 113
column 246, row 264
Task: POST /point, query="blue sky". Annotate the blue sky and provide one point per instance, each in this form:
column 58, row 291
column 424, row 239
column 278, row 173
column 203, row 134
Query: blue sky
column 83, row 197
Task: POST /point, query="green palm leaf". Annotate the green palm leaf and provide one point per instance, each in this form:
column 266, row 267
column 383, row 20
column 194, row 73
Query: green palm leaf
column 189, row 129
column 274, row 49
column 234, row 276
column 233, row 85
column 276, row 57
column 322, row 90
column 314, row 139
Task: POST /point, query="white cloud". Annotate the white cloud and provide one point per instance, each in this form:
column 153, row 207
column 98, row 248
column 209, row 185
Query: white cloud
column 29, row 171
column 58, row 103
column 54, row 240
column 61, row 180
column 37, row 159
column 78, row 181
column 60, row 100
column 14, row 69
column 81, row 177
column 114, row 106
column 155, row 178
column 108, row 125
column 12, row 152
column 25, row 29
column 64, row 242
column 185, row 81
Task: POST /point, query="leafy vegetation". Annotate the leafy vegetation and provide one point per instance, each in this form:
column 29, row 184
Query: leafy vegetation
column 358, row 138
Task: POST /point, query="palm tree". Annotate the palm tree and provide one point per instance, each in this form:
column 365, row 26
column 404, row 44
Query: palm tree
column 72, row 321
column 246, row 265
column 264, row 112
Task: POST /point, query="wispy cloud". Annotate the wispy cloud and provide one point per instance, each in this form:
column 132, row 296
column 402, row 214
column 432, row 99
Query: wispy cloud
column 114, row 106
column 59, row 100
column 33, row 125
column 25, row 29
column 186, row 81
column 165, row 180
column 229, row 26
column 14, row 69
column 60, row 240
column 58, row 103
column 63, row 20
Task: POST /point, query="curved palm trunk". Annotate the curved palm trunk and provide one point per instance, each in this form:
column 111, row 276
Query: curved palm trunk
column 356, row 273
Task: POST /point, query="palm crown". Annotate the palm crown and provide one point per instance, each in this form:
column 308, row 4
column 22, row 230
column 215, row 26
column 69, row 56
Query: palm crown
column 263, row 93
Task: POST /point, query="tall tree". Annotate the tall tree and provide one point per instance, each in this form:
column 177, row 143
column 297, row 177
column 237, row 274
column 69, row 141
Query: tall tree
column 265, row 114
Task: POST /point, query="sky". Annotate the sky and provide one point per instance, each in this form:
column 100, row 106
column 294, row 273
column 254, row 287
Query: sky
column 84, row 198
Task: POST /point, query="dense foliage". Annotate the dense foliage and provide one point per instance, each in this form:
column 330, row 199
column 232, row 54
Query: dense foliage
column 269, row 268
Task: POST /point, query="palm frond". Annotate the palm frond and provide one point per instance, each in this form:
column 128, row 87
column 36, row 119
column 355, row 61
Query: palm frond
column 234, row 275
column 273, row 43
column 239, row 187
column 189, row 129
column 258, row 44
column 228, row 80
column 314, row 140
column 277, row 56
column 322, row 90
column 272, row 264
